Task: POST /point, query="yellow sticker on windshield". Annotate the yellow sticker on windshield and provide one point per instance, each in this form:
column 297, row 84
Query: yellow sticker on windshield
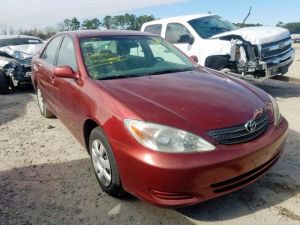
column 93, row 62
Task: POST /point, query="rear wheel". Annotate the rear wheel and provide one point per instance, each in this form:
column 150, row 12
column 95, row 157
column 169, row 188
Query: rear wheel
column 42, row 105
column 4, row 83
column 104, row 163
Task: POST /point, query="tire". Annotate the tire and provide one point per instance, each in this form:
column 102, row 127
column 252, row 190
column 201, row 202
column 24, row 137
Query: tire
column 45, row 112
column 4, row 83
column 104, row 164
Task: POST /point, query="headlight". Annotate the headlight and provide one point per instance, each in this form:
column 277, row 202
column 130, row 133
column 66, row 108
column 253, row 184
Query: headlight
column 276, row 111
column 18, row 55
column 166, row 139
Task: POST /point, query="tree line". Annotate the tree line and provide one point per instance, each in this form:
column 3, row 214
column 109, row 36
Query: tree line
column 294, row 28
column 122, row 22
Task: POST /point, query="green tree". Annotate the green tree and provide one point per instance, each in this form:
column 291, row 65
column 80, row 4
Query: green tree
column 143, row 19
column 87, row 24
column 74, row 24
column 294, row 28
column 91, row 24
column 107, row 22
column 96, row 23
column 67, row 24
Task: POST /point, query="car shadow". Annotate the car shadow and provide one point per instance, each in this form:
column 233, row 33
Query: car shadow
column 279, row 88
column 281, row 183
column 68, row 193
column 13, row 105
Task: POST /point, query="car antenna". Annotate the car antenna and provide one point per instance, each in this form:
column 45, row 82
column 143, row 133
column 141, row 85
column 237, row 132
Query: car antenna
column 243, row 23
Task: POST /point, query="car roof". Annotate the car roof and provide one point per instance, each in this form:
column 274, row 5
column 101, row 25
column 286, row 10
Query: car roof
column 184, row 18
column 95, row 33
column 17, row 36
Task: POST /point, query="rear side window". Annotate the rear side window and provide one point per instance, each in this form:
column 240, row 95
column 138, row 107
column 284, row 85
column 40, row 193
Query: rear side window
column 50, row 52
column 174, row 31
column 66, row 55
column 154, row 29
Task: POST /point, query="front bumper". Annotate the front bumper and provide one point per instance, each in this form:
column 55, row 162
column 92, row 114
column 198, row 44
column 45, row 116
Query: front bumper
column 175, row 180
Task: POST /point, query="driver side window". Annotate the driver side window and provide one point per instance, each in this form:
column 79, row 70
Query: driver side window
column 66, row 55
column 175, row 31
column 49, row 53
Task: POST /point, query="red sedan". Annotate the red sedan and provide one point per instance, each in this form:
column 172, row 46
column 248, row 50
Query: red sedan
column 155, row 125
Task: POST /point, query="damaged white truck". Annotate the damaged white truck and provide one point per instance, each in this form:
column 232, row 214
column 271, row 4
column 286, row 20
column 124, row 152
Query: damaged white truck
column 16, row 53
column 252, row 52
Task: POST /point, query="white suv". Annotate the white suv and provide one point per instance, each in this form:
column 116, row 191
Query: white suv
column 261, row 52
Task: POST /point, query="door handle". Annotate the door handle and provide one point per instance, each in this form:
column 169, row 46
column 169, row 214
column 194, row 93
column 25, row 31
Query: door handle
column 52, row 77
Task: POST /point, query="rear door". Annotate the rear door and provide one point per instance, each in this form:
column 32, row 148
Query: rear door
column 44, row 70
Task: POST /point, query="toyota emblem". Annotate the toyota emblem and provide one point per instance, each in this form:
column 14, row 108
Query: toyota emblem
column 250, row 126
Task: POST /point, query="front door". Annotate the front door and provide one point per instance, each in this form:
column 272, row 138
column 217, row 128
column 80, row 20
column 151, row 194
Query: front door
column 67, row 90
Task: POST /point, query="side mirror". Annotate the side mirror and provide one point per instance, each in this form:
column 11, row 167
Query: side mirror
column 185, row 38
column 64, row 72
column 194, row 58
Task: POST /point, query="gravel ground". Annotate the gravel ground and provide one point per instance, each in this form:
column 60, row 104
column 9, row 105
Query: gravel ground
column 46, row 177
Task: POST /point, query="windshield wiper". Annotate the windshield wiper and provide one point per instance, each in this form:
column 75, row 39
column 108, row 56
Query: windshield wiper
column 118, row 77
column 170, row 71
column 146, row 74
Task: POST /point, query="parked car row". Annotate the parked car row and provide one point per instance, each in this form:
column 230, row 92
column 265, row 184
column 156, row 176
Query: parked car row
column 154, row 123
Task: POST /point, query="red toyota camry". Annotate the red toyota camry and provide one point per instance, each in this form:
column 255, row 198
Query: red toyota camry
column 155, row 125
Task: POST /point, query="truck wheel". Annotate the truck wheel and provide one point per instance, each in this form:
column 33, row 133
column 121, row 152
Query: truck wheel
column 4, row 83
column 42, row 105
column 104, row 163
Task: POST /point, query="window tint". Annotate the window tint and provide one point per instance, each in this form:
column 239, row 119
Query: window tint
column 174, row 31
column 154, row 29
column 66, row 55
column 50, row 52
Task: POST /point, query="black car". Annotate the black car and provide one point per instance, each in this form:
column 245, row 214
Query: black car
column 16, row 53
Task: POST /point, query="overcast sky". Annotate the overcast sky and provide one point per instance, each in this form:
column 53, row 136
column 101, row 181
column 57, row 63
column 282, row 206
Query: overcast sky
column 40, row 13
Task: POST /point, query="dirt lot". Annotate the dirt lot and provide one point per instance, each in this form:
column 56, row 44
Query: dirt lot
column 46, row 177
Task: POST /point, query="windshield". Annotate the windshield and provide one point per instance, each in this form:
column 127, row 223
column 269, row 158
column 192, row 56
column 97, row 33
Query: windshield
column 19, row 41
column 111, row 57
column 209, row 26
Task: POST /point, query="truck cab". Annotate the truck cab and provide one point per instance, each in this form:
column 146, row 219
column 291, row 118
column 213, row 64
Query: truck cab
column 259, row 52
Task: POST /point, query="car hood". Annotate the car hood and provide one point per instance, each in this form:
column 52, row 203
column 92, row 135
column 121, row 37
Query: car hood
column 25, row 51
column 258, row 35
column 194, row 101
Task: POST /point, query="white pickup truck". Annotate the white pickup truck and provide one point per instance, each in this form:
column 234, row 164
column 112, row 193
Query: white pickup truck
column 258, row 52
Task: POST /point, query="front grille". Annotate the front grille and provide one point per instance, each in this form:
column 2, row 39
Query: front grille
column 245, row 178
column 239, row 133
column 274, row 49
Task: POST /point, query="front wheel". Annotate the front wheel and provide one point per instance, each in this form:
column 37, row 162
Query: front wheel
column 104, row 163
